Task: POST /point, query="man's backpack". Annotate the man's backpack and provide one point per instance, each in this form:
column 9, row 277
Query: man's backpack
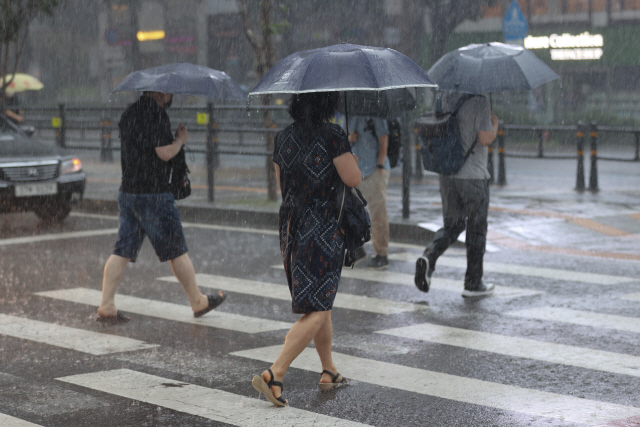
column 395, row 143
column 179, row 181
column 442, row 150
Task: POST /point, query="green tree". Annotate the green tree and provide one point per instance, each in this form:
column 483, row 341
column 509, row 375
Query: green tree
column 15, row 18
column 445, row 16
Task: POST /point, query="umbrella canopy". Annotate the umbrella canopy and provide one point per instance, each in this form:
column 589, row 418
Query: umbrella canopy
column 384, row 104
column 490, row 67
column 184, row 79
column 22, row 82
column 342, row 67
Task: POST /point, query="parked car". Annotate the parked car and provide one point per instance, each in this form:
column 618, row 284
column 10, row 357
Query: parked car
column 37, row 177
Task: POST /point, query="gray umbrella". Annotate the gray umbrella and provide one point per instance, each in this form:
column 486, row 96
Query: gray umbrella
column 490, row 67
column 385, row 104
column 184, row 79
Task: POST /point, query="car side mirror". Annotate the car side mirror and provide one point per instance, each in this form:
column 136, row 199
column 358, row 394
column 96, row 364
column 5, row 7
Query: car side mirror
column 29, row 130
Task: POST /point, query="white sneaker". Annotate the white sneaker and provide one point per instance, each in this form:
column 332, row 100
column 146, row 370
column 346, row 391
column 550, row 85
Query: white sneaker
column 482, row 290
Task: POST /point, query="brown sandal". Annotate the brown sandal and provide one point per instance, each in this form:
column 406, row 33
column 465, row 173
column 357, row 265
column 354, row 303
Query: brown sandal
column 265, row 387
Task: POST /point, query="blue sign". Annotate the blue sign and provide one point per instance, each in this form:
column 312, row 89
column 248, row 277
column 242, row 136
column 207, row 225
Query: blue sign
column 514, row 25
column 112, row 36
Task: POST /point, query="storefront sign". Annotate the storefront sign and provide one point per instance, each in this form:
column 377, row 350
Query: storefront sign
column 564, row 47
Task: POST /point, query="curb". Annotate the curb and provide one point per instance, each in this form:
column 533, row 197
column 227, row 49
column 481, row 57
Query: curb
column 398, row 232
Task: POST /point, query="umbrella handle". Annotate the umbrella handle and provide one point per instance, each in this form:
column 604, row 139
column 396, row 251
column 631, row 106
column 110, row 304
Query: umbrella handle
column 346, row 114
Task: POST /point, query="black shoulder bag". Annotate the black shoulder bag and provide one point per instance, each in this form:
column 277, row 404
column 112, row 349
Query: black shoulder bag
column 179, row 181
column 353, row 216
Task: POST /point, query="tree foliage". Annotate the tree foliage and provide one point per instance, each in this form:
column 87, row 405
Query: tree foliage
column 446, row 15
column 15, row 18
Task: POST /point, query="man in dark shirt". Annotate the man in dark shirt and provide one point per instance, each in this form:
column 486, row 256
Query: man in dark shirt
column 147, row 206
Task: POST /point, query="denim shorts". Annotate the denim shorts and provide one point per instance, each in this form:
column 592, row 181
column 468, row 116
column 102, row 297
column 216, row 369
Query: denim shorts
column 153, row 215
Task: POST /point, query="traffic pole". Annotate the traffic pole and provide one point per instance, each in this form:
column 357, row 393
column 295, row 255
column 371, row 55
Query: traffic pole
column 502, row 174
column 593, row 173
column 580, row 152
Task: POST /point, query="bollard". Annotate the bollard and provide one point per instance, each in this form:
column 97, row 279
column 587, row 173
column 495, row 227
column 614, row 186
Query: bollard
column 580, row 142
column 106, row 151
column 418, row 173
column 62, row 127
column 502, row 175
column 593, row 173
column 490, row 163
column 211, row 151
column 637, row 156
column 540, row 144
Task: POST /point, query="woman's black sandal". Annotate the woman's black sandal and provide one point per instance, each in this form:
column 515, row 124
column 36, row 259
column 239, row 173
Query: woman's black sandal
column 334, row 381
column 265, row 387
column 214, row 301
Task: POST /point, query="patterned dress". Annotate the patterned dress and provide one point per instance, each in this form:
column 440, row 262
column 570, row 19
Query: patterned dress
column 312, row 247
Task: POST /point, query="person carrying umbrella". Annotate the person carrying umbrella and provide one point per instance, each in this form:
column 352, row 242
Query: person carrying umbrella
column 474, row 70
column 145, row 202
column 310, row 157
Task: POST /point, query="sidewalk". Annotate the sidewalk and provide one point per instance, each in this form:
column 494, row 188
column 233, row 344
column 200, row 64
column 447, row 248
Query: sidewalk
column 537, row 209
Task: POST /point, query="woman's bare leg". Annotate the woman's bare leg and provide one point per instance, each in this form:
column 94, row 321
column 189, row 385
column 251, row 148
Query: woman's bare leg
column 323, row 342
column 298, row 338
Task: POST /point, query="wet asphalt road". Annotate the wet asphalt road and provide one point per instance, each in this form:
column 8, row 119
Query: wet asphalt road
column 556, row 346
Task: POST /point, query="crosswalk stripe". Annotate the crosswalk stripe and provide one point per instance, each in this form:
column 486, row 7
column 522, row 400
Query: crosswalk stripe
column 57, row 236
column 170, row 311
column 524, row 270
column 438, row 283
column 460, row 389
column 281, row 292
column 631, row 297
column 62, row 336
column 212, row 404
column 521, row 347
column 577, row 317
column 489, row 247
column 9, row 421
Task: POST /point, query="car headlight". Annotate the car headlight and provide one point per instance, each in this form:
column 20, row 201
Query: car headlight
column 70, row 166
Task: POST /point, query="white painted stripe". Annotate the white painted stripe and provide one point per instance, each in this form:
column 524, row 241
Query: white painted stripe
column 58, row 236
column 489, row 247
column 577, row 317
column 524, row 270
column 468, row 390
column 281, row 292
column 8, row 421
column 437, row 283
column 62, row 336
column 216, row 405
column 170, row 311
column 631, row 297
column 522, row 347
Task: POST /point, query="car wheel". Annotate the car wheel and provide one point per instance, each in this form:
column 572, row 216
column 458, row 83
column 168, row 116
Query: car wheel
column 54, row 210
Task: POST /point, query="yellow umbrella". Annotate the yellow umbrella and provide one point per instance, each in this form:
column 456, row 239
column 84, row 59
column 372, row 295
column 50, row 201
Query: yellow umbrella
column 22, row 82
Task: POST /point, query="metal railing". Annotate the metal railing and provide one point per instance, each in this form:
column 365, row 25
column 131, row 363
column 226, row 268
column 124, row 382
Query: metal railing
column 243, row 131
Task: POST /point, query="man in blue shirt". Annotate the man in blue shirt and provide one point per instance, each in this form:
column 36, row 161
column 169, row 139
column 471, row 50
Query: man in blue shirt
column 369, row 138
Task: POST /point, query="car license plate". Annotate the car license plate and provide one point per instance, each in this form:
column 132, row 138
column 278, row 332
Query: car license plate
column 36, row 189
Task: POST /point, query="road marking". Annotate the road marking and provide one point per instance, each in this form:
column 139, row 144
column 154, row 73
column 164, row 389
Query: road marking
column 577, row 317
column 438, row 283
column 631, row 297
column 217, row 405
column 597, row 360
column 461, row 238
column 281, row 292
column 460, row 389
column 170, row 311
column 524, row 270
column 63, row 336
column 58, row 236
column 8, row 421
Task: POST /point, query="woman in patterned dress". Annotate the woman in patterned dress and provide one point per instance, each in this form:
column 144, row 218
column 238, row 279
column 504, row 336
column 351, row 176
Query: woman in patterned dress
column 310, row 155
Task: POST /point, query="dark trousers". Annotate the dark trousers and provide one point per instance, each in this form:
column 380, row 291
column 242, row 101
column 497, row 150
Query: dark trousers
column 465, row 204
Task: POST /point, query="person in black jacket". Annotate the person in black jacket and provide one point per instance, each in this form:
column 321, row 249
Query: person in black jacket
column 147, row 206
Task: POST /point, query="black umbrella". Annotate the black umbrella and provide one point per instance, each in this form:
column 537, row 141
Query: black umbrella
column 490, row 67
column 184, row 79
column 343, row 67
column 385, row 104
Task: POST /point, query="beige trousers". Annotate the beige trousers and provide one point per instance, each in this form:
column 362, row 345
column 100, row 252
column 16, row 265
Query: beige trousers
column 374, row 190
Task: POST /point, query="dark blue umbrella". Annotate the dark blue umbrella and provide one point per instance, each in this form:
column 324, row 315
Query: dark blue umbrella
column 490, row 67
column 342, row 67
column 184, row 79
